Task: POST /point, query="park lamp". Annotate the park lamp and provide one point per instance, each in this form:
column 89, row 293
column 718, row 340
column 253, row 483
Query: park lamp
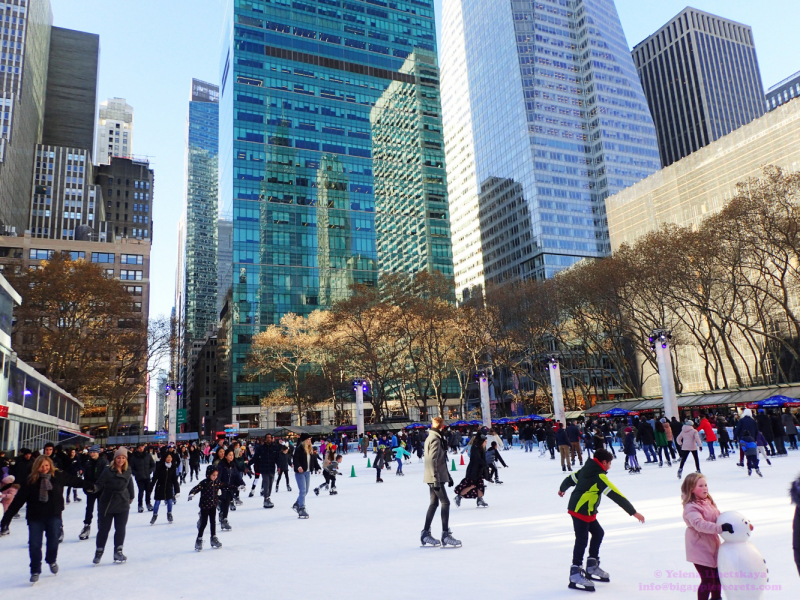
column 660, row 336
column 553, row 360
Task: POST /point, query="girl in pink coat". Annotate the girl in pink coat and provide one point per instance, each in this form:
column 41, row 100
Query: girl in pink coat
column 8, row 489
column 702, row 534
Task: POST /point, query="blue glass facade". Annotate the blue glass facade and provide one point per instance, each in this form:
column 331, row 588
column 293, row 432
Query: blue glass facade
column 544, row 118
column 332, row 157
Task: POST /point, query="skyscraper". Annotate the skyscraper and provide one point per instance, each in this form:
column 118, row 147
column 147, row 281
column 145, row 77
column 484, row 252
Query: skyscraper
column 224, row 260
column 701, row 78
column 331, row 159
column 114, row 130
column 544, row 117
column 24, row 82
column 202, row 150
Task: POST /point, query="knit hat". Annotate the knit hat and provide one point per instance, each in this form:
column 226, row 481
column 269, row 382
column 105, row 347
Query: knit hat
column 628, row 430
column 25, row 451
column 94, row 448
column 304, row 437
column 8, row 479
column 121, row 451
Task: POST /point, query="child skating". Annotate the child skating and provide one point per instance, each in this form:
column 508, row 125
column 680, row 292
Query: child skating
column 399, row 454
column 379, row 463
column 591, row 484
column 702, row 534
column 629, row 446
column 492, row 458
column 750, row 449
column 330, row 470
column 210, row 490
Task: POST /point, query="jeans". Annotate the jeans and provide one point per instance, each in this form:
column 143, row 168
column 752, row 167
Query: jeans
column 91, row 499
column 529, row 445
column 169, row 504
column 661, row 451
column 37, row 529
column 399, row 465
column 710, row 449
column 207, row 515
column 144, row 489
column 266, row 483
column 303, row 484
column 437, row 497
column 582, row 531
column 120, row 520
column 649, row 452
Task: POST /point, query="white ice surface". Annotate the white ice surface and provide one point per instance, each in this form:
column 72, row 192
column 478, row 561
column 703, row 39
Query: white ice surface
column 364, row 543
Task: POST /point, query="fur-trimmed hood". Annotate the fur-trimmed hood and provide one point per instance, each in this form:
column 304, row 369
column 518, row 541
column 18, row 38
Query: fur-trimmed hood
column 794, row 491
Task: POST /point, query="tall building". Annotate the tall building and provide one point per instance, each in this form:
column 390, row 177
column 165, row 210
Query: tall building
column 114, row 130
column 128, row 187
column 72, row 72
column 202, row 150
column 701, row 78
column 322, row 181
column 224, row 261
column 26, row 52
column 782, row 92
column 544, row 117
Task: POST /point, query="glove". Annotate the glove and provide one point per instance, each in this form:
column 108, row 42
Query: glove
column 242, row 488
column 450, row 483
column 178, row 495
column 4, row 531
column 190, row 498
column 727, row 527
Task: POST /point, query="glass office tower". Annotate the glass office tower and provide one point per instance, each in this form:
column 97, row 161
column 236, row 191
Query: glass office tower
column 202, row 180
column 332, row 157
column 544, row 118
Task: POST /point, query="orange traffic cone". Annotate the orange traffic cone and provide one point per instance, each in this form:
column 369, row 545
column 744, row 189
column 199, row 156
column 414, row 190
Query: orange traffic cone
column 462, row 460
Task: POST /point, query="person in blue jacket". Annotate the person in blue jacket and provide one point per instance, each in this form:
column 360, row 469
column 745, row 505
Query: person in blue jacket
column 746, row 424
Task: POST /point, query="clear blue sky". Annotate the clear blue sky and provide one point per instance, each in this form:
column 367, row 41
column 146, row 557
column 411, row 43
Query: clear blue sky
column 151, row 49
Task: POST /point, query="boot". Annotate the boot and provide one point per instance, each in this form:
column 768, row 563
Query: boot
column 149, row 507
column 98, row 554
column 316, row 491
column 267, row 503
column 333, row 492
column 594, row 572
column 153, row 520
column 457, row 500
column 427, row 538
column 301, row 513
column 578, row 580
column 198, row 545
column 449, row 540
column 141, row 508
column 660, row 464
column 84, row 535
column 749, row 471
column 288, row 488
column 169, row 517
column 295, row 507
column 68, row 500
column 119, row 557
column 482, row 503
column 769, row 463
column 680, row 472
column 563, row 467
column 215, row 543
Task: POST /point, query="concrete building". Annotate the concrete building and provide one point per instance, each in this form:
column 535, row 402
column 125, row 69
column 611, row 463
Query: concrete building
column 543, row 97
column 72, row 73
column 783, row 92
column 701, row 78
column 702, row 183
column 696, row 187
column 33, row 409
column 114, row 130
column 126, row 259
column 22, row 104
column 128, row 188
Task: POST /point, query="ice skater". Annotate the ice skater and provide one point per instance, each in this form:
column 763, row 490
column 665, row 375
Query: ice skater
column 591, row 484
column 330, row 469
column 472, row 485
column 702, row 534
column 302, row 474
column 688, row 440
column 399, row 454
column 492, row 458
column 379, row 463
column 284, row 461
column 210, row 490
column 629, row 447
column 750, row 449
column 761, row 444
column 166, row 487
column 437, row 476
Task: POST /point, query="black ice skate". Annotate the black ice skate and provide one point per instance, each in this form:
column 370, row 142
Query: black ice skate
column 333, row 492
column 578, row 580
column 301, row 513
column 267, row 503
column 498, row 482
column 224, row 525
column 295, row 508
column 169, row 517
column 119, row 557
column 97, row 556
column 457, row 500
column 449, row 540
column 252, row 492
column 288, row 488
column 758, row 472
column 198, row 545
column 54, row 568
column 84, row 535
column 427, row 539
column 141, row 508
column 482, row 503
column 153, row 520
column 34, row 578
column 769, row 463
column 680, row 472
column 594, row 572
column 149, row 507
column 316, row 491
column 215, row 543
column 749, row 471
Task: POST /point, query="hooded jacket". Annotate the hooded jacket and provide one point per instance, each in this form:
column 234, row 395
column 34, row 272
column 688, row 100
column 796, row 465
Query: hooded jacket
column 689, row 440
column 746, row 423
column 142, row 464
column 590, row 483
column 165, row 481
column 702, row 532
column 705, row 425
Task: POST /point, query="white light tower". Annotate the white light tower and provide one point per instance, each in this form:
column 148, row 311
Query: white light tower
column 172, row 427
column 554, row 367
column 360, row 386
column 659, row 343
column 486, row 406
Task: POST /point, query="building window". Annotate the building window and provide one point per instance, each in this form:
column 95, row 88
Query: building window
column 131, row 259
column 102, row 257
column 126, row 275
column 41, row 254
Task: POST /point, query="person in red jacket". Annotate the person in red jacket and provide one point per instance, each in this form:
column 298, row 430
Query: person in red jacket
column 711, row 436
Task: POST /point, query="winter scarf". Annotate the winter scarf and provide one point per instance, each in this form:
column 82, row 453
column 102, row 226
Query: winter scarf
column 44, row 487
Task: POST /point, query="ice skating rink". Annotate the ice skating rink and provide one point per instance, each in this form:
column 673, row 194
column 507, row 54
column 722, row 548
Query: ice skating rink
column 364, row 543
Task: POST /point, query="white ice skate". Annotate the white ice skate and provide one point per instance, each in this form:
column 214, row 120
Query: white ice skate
column 578, row 580
column 427, row 539
column 594, row 572
column 449, row 540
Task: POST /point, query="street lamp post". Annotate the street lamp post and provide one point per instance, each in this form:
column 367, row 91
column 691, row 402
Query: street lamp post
column 659, row 343
column 554, row 366
column 360, row 386
column 486, row 406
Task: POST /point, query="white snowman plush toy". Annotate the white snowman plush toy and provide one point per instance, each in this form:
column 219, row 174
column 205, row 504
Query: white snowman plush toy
column 742, row 569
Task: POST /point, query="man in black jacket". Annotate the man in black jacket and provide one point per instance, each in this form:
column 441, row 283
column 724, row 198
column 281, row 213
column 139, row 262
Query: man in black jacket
column 93, row 466
column 765, row 427
column 647, row 437
column 142, row 467
column 264, row 461
column 22, row 466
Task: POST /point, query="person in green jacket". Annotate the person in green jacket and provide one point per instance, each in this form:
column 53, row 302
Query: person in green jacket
column 662, row 443
column 591, row 482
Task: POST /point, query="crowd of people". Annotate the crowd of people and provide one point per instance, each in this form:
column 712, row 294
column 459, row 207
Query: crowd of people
column 112, row 479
